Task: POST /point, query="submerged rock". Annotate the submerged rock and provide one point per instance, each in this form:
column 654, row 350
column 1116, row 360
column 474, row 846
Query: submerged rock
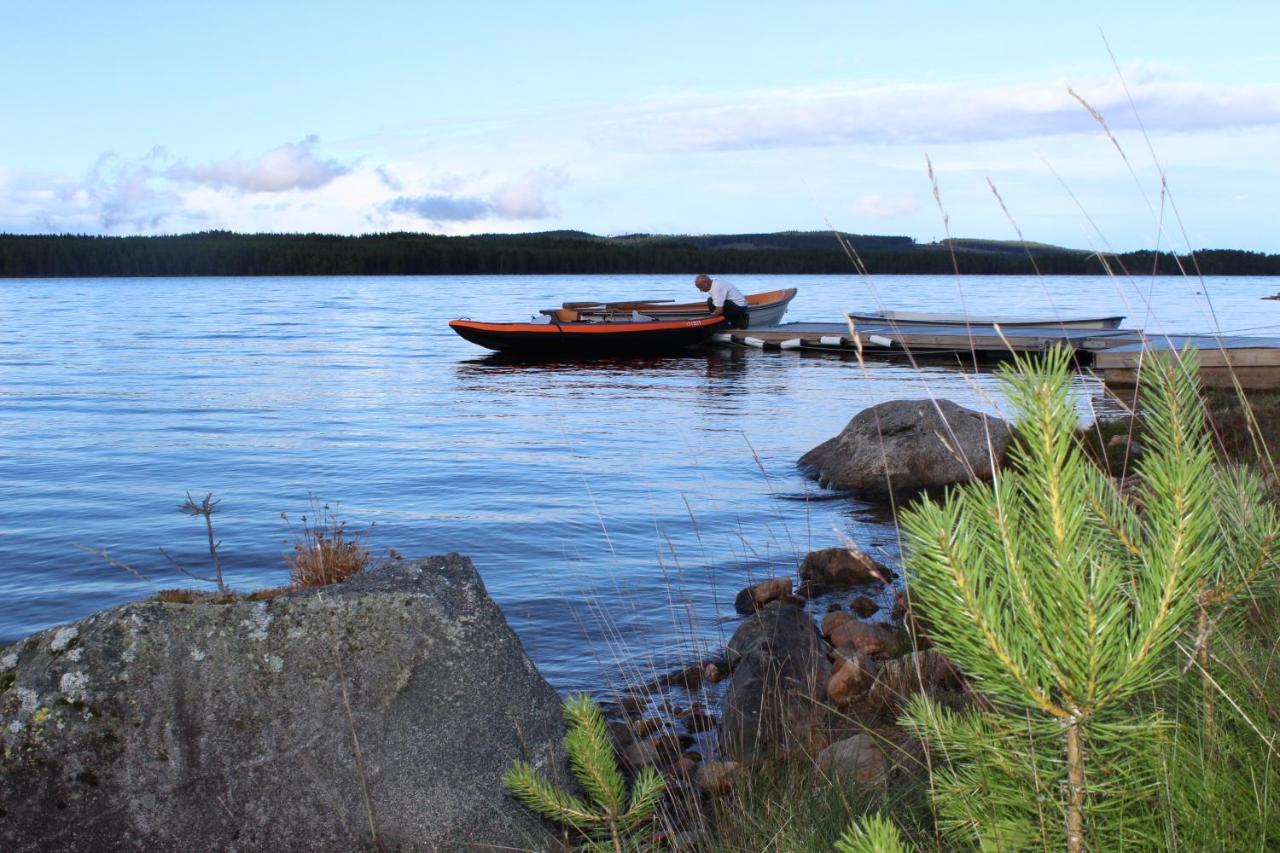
column 387, row 706
column 906, row 446
column 864, row 606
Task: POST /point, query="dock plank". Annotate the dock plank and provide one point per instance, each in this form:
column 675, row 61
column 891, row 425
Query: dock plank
column 1116, row 353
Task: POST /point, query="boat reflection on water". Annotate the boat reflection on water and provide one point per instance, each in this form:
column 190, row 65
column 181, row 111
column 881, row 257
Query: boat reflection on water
column 713, row 359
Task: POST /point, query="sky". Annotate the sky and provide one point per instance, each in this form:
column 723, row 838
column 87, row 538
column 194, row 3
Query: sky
column 674, row 118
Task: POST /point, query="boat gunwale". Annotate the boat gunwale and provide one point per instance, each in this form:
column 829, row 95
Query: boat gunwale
column 617, row 327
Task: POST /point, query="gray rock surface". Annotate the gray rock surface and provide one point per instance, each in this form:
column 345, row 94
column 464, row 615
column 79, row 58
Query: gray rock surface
column 391, row 703
column 906, row 446
column 855, row 760
column 776, row 698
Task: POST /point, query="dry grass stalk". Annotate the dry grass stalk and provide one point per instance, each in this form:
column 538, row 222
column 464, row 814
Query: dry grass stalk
column 325, row 553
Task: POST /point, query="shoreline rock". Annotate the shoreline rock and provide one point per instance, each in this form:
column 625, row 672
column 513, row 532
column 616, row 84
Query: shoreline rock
column 395, row 699
column 904, row 447
column 837, row 567
column 777, row 693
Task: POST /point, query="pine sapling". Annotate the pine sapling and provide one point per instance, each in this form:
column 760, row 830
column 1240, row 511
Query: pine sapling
column 1061, row 598
column 611, row 820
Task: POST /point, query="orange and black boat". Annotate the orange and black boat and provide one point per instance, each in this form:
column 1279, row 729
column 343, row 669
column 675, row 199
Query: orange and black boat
column 763, row 309
column 565, row 332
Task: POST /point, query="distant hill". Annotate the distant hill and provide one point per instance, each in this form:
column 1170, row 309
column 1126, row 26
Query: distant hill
column 563, row 252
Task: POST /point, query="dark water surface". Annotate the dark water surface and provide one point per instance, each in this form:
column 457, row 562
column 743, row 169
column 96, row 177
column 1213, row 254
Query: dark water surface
column 613, row 508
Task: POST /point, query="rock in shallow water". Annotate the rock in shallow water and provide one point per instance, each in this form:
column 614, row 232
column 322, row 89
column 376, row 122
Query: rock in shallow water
column 235, row 726
column 906, row 446
column 754, row 597
column 777, row 695
column 842, row 567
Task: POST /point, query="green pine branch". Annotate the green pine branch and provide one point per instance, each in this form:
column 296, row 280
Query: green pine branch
column 611, row 820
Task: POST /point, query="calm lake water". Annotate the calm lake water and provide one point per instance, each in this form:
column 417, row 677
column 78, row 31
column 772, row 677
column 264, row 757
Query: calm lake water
column 614, row 509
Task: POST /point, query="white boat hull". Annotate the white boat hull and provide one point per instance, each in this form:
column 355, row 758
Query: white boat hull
column 919, row 318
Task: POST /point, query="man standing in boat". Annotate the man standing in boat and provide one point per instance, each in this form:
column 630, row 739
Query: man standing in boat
column 724, row 299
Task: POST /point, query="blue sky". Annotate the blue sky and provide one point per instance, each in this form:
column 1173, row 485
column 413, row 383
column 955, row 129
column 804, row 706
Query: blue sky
column 141, row 117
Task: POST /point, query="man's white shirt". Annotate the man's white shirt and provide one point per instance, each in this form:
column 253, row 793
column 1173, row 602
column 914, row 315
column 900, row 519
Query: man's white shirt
column 722, row 290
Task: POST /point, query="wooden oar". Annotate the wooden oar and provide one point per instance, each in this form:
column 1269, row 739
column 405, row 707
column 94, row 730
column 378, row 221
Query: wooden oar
column 615, row 306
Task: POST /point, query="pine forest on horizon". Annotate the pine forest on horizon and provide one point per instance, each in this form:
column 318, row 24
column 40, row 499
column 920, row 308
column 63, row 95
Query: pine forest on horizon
column 223, row 253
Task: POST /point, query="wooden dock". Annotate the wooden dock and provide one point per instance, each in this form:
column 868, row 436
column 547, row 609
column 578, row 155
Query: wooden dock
column 1253, row 362
column 1115, row 354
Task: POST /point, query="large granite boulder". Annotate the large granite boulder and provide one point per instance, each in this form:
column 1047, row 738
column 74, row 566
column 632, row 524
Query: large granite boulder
column 907, row 446
column 378, row 713
column 776, row 699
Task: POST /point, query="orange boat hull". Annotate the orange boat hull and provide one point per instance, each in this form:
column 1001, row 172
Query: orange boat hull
column 584, row 338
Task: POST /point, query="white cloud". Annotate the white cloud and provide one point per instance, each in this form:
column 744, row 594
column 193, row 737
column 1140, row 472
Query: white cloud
column 526, row 197
column 124, row 193
column 879, row 207
column 293, row 166
column 935, row 114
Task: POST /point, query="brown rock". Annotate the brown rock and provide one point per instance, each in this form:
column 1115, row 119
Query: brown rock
column 911, row 619
column 922, row 671
column 670, row 745
column 689, row 677
column 621, row 734
column 717, row 777
column 900, row 604
column 855, row 760
column 758, row 595
column 698, row 721
column 843, row 567
column 641, row 754
column 877, row 641
column 777, row 696
column 633, row 704
column 833, row 620
column 713, row 672
column 812, row 589
column 833, row 607
column 647, row 726
column 851, row 677
column 684, row 767
column 864, row 606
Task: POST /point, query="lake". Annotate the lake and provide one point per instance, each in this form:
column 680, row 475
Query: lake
column 613, row 508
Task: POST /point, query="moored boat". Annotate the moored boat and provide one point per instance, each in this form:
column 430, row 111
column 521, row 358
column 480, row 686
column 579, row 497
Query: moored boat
column 920, row 318
column 564, row 332
column 763, row 309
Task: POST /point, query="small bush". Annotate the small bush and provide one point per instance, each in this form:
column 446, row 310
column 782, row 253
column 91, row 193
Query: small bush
column 325, row 553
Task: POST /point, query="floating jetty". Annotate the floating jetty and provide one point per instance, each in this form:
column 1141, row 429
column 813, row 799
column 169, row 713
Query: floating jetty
column 1114, row 354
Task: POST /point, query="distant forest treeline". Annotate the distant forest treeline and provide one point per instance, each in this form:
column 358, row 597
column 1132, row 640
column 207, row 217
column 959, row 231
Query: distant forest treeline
column 563, row 252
